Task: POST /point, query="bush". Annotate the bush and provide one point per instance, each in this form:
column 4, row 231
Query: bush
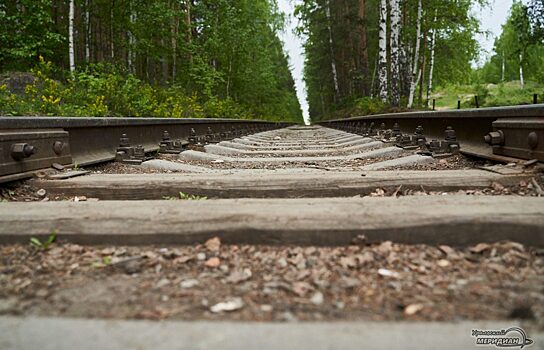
column 104, row 90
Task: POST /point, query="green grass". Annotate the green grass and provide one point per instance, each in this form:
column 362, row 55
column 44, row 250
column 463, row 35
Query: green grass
column 489, row 95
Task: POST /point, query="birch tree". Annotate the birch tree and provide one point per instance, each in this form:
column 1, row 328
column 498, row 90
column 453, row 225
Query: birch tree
column 363, row 45
column 431, row 68
column 87, row 31
column 131, row 42
column 382, row 49
column 415, row 64
column 503, row 66
column 395, row 54
column 333, row 61
column 521, row 82
column 71, row 51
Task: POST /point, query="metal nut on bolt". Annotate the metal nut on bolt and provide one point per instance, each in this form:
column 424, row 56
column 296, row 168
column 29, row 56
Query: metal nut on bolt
column 532, row 139
column 494, row 138
column 58, row 146
column 21, row 151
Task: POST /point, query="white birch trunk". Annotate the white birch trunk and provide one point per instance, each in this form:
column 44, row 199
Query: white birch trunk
column 413, row 82
column 521, row 82
column 503, row 64
column 333, row 62
column 131, row 41
column 87, row 32
column 431, row 68
column 71, row 37
column 382, row 45
column 394, row 45
column 174, row 33
column 112, row 46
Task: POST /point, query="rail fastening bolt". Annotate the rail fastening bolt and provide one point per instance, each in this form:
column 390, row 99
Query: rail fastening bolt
column 58, row 147
column 532, row 139
column 20, row 151
column 124, row 141
column 494, row 138
column 450, row 134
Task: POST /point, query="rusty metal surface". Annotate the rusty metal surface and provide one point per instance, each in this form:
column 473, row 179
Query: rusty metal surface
column 26, row 150
column 95, row 140
column 518, row 137
column 471, row 125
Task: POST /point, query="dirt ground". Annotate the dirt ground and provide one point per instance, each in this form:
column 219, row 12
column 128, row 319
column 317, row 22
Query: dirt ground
column 212, row 281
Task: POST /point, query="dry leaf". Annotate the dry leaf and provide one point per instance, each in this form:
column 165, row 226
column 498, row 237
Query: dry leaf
column 388, row 273
column 213, row 262
column 238, row 276
column 301, row 288
column 413, row 309
column 231, row 304
column 213, row 244
column 479, row 248
column 446, row 249
column 443, row 263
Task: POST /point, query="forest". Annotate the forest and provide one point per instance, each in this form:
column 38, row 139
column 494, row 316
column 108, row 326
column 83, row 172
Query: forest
column 369, row 56
column 161, row 58
column 224, row 58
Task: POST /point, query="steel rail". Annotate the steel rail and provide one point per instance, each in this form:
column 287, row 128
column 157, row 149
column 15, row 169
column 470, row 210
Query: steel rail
column 86, row 141
column 471, row 126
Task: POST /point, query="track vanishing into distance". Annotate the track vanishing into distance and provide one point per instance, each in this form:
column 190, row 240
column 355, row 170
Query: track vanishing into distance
column 310, row 185
column 427, row 216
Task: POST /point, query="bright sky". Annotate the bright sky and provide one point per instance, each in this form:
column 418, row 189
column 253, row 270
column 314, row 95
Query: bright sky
column 491, row 17
column 293, row 46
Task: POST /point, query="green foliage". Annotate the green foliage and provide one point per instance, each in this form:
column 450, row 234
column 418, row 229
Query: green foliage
column 26, row 32
column 489, row 95
column 520, row 46
column 35, row 242
column 106, row 261
column 185, row 196
column 161, row 58
column 332, row 29
column 102, row 90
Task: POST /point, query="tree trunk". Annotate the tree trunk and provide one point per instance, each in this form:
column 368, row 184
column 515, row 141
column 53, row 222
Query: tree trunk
column 431, row 68
column 363, row 46
column 71, row 37
column 131, row 57
column 87, row 31
column 188, row 23
column 502, row 70
column 372, row 90
column 333, row 61
column 112, row 46
column 521, row 82
column 423, row 70
column 174, row 33
column 382, row 44
column 405, row 57
column 394, row 46
column 413, row 82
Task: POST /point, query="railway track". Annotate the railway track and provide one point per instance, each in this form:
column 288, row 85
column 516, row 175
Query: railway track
column 378, row 217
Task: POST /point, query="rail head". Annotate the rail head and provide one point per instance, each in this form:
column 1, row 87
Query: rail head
column 29, row 144
column 524, row 138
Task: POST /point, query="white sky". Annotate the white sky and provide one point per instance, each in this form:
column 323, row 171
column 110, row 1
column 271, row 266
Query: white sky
column 293, row 46
column 491, row 17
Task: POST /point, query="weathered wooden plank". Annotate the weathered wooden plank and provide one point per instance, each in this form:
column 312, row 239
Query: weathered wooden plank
column 280, row 184
column 453, row 220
